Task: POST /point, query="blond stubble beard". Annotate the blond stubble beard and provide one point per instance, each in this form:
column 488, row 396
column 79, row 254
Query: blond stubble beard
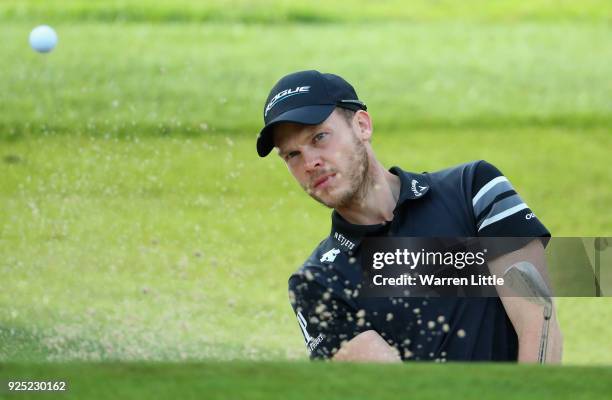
column 357, row 176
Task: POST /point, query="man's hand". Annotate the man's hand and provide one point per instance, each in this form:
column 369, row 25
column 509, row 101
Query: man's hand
column 368, row 346
column 526, row 316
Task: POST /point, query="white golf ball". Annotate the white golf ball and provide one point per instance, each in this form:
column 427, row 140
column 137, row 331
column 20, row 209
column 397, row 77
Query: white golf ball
column 43, row 38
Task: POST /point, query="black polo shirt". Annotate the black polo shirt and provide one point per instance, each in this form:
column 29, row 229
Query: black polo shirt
column 472, row 199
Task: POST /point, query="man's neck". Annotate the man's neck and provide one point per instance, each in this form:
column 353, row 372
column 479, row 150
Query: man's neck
column 378, row 201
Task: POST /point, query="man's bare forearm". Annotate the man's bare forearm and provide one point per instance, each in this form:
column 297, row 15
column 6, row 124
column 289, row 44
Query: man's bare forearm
column 526, row 315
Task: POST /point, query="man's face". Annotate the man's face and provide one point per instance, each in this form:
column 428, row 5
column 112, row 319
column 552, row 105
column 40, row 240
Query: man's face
column 329, row 160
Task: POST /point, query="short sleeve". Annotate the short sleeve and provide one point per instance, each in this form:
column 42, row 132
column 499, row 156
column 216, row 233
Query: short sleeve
column 326, row 320
column 498, row 208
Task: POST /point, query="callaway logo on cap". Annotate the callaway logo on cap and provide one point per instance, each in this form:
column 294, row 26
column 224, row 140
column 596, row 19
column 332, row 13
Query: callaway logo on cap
column 305, row 97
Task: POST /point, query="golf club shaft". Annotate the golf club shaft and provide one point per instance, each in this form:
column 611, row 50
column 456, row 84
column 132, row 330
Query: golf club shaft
column 544, row 335
column 597, row 274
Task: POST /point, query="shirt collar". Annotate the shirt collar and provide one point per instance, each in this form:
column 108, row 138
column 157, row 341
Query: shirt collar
column 347, row 236
column 413, row 186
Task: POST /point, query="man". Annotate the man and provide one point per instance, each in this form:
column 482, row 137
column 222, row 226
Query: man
column 323, row 131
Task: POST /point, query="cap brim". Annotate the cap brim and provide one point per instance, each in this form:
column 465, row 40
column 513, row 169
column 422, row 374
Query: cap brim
column 308, row 115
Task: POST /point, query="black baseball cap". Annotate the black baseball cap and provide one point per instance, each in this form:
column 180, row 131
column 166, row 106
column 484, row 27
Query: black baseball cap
column 304, row 97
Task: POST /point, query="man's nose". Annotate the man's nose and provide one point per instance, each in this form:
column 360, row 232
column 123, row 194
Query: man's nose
column 312, row 160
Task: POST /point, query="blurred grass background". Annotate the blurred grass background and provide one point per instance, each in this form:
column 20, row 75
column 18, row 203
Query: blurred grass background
column 307, row 11
column 136, row 220
column 156, row 79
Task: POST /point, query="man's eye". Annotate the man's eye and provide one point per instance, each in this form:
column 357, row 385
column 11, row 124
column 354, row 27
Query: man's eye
column 320, row 136
column 291, row 155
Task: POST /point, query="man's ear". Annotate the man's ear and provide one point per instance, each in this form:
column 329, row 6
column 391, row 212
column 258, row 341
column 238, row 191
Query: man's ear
column 364, row 122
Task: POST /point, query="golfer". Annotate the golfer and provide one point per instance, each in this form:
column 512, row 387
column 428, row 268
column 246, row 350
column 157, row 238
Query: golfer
column 323, row 132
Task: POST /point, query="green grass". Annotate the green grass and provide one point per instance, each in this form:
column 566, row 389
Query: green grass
column 165, row 248
column 141, row 79
column 321, row 380
column 305, row 11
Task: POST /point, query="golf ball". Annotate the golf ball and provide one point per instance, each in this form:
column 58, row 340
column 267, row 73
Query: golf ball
column 43, row 38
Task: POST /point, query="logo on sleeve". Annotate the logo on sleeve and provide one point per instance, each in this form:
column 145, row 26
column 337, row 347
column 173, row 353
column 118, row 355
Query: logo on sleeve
column 330, row 256
column 311, row 342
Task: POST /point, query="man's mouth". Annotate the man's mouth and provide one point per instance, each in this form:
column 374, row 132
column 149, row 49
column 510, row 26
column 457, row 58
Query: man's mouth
column 323, row 181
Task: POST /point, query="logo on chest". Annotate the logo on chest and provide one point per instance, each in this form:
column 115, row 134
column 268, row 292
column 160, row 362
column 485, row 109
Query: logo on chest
column 330, row 256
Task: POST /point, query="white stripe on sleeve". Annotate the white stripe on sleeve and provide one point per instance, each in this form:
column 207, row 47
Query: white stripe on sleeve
column 502, row 215
column 488, row 187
